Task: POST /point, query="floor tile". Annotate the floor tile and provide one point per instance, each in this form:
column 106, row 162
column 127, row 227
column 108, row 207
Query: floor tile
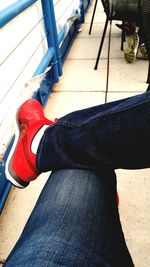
column 125, row 77
column 88, row 48
column 83, row 78
column 99, row 15
column 113, row 96
column 133, row 189
column 97, row 30
column 62, row 103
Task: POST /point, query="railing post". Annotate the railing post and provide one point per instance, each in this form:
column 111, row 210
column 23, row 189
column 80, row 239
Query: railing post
column 50, row 37
column 82, row 11
column 58, row 55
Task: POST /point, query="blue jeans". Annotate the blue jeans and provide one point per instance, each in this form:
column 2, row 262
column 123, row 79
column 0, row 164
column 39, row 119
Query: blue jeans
column 75, row 223
column 110, row 136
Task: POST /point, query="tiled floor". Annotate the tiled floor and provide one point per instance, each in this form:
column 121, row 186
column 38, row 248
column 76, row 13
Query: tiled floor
column 80, row 87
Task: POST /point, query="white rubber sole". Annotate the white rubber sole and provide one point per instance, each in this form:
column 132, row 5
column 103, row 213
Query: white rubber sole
column 10, row 175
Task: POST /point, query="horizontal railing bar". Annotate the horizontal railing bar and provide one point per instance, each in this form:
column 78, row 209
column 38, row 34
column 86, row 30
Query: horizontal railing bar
column 13, row 10
column 45, row 62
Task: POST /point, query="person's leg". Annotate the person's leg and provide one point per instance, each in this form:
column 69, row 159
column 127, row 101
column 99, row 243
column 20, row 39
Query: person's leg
column 21, row 166
column 75, row 223
column 113, row 135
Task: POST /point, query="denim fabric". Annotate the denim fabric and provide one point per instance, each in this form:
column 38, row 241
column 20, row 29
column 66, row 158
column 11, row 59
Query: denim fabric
column 75, row 223
column 109, row 136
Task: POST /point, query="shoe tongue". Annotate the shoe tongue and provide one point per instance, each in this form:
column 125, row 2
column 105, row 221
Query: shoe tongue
column 40, row 122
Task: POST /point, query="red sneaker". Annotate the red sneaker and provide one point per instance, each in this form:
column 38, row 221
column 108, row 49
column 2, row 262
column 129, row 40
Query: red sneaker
column 21, row 163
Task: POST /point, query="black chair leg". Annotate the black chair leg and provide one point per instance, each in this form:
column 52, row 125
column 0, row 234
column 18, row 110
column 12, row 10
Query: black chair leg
column 108, row 62
column 93, row 17
column 101, row 44
column 122, row 35
column 148, row 76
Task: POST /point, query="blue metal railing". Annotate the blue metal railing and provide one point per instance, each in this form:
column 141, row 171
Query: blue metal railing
column 58, row 55
column 14, row 10
column 45, row 61
column 52, row 34
column 52, row 57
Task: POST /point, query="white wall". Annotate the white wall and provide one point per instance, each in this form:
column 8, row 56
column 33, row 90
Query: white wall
column 64, row 9
column 23, row 44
